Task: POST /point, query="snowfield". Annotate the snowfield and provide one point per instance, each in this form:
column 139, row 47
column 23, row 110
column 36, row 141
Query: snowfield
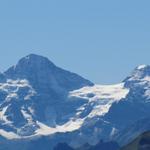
column 102, row 95
column 112, row 92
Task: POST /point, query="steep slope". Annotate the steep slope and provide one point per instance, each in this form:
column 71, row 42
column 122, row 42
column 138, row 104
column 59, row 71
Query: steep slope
column 99, row 99
column 142, row 142
column 43, row 75
column 136, row 109
column 99, row 146
column 115, row 107
column 34, row 98
column 136, row 105
column 63, row 146
column 132, row 131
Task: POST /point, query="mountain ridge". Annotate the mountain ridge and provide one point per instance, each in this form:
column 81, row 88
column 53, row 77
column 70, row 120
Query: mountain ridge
column 40, row 99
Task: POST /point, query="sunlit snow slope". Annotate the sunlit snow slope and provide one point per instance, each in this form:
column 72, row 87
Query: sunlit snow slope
column 102, row 95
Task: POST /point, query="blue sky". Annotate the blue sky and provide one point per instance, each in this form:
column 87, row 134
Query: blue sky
column 100, row 40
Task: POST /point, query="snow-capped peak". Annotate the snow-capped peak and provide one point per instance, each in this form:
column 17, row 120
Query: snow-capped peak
column 141, row 66
column 139, row 73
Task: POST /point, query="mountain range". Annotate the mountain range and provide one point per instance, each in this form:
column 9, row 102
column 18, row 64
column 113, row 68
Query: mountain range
column 42, row 105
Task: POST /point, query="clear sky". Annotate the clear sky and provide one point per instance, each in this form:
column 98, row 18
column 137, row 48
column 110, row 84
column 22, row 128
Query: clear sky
column 102, row 40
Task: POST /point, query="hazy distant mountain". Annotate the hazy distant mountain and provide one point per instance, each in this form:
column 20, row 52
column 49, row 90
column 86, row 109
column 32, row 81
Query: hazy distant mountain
column 42, row 103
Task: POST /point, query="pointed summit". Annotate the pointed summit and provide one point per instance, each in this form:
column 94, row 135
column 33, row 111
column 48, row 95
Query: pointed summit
column 35, row 61
column 32, row 67
column 42, row 73
column 35, row 58
column 31, row 63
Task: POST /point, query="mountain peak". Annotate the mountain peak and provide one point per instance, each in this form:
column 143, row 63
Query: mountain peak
column 31, row 63
column 36, row 60
column 140, row 72
column 142, row 67
column 42, row 73
column 34, row 56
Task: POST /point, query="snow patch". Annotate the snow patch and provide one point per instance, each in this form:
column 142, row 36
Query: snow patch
column 113, row 132
column 27, row 116
column 141, row 67
column 3, row 117
column 70, row 126
column 9, row 135
column 11, row 87
column 147, row 78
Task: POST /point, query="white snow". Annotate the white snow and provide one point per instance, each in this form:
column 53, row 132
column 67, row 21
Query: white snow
column 27, row 116
column 8, row 135
column 70, row 126
column 11, row 96
column 113, row 132
column 100, row 109
column 115, row 92
column 3, row 117
column 145, row 83
column 147, row 78
column 147, row 93
column 11, row 87
column 103, row 96
column 141, row 67
column 31, row 110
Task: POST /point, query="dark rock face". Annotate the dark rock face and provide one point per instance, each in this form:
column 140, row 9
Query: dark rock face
column 131, row 115
column 63, row 146
column 132, row 131
column 105, row 146
column 142, row 142
column 44, row 75
column 100, row 146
